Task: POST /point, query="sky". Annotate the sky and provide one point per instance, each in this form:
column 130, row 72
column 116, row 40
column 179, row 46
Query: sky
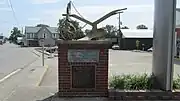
column 33, row 12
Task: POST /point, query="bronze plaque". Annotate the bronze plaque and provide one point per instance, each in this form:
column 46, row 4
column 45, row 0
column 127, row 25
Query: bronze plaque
column 83, row 77
column 78, row 55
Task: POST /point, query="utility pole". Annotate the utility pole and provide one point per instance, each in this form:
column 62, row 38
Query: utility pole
column 120, row 33
column 163, row 44
column 119, row 39
column 43, row 49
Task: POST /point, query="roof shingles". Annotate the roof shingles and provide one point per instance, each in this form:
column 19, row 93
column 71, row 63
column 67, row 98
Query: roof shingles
column 36, row 29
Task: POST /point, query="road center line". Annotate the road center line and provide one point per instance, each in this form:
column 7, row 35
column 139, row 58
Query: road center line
column 9, row 75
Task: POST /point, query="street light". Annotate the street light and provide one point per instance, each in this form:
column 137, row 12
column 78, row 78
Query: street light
column 120, row 33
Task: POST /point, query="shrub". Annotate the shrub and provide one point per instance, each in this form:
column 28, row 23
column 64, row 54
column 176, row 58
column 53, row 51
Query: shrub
column 176, row 83
column 137, row 82
column 117, row 82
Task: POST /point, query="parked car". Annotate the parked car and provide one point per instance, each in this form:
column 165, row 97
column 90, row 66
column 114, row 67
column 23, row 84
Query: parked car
column 150, row 49
column 115, row 47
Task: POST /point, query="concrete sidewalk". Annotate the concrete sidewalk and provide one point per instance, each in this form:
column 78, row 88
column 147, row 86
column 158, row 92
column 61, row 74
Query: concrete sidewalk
column 31, row 93
column 50, row 78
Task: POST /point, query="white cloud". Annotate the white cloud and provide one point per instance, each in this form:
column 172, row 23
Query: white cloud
column 44, row 1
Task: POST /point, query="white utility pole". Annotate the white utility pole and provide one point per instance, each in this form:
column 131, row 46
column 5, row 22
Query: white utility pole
column 163, row 44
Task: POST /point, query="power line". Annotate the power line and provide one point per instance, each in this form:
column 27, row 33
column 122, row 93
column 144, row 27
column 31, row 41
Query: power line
column 14, row 15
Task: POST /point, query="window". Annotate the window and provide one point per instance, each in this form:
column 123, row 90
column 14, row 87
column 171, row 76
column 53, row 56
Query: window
column 32, row 35
column 35, row 35
column 54, row 35
column 28, row 35
column 44, row 35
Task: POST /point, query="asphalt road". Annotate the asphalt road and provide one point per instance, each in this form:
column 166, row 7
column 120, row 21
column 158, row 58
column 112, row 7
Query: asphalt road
column 13, row 57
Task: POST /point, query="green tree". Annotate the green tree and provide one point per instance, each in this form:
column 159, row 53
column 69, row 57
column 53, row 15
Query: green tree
column 125, row 27
column 141, row 27
column 42, row 25
column 72, row 31
column 14, row 34
column 111, row 30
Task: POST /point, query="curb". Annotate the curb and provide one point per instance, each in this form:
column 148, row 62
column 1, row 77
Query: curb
column 143, row 95
column 42, row 76
column 36, row 53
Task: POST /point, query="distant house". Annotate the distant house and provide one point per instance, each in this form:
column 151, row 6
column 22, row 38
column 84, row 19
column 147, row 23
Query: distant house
column 145, row 38
column 34, row 35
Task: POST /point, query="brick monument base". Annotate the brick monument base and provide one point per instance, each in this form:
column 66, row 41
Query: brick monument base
column 83, row 68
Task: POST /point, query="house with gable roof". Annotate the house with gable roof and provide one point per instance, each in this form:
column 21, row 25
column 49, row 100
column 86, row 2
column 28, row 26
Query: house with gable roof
column 34, row 35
